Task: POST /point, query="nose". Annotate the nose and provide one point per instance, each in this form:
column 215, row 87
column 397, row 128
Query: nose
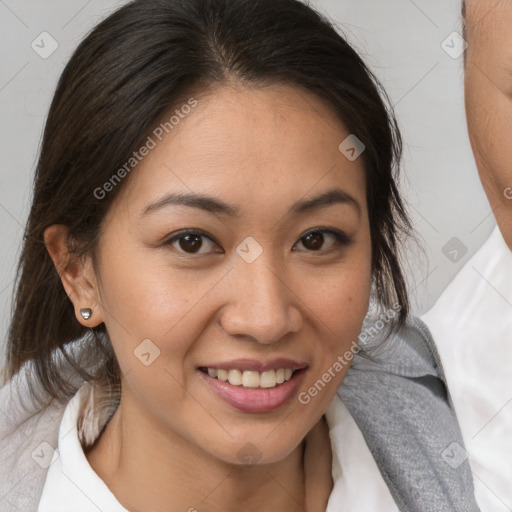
column 262, row 305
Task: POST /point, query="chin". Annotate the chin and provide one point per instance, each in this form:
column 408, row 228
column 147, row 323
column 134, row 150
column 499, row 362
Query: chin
column 251, row 451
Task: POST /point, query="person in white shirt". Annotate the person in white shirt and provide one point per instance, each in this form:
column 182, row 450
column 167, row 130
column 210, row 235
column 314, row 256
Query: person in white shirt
column 472, row 320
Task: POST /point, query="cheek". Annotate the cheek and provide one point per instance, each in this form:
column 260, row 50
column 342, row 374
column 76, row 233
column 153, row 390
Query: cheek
column 489, row 113
column 147, row 300
column 343, row 300
column 338, row 304
column 339, row 310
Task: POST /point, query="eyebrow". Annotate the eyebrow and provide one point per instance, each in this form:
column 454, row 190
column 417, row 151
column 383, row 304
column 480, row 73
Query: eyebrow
column 214, row 205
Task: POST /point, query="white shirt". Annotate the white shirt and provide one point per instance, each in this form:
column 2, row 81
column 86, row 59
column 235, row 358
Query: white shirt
column 71, row 482
column 472, row 325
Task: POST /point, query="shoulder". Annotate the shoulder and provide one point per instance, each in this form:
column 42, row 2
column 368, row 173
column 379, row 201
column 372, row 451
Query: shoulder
column 402, row 368
column 482, row 288
column 28, row 440
column 396, row 392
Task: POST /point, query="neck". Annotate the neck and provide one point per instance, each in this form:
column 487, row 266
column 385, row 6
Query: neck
column 150, row 468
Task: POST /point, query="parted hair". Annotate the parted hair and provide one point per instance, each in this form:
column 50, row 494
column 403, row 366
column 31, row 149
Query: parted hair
column 132, row 68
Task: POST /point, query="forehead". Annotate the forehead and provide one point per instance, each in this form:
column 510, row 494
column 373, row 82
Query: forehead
column 272, row 144
column 239, row 127
column 488, row 31
column 486, row 14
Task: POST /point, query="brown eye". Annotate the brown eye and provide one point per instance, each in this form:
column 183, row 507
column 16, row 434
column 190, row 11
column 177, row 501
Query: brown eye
column 192, row 242
column 314, row 240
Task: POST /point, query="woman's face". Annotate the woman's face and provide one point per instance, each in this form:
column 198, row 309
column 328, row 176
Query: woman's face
column 274, row 276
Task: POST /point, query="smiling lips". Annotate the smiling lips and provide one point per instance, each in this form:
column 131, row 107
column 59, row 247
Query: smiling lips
column 252, row 379
column 252, row 386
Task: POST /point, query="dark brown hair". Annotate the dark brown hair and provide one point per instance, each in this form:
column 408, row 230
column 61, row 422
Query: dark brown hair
column 141, row 61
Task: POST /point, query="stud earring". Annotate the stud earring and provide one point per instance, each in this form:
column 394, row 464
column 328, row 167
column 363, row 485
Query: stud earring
column 86, row 313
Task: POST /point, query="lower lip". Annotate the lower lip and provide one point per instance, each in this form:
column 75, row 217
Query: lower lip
column 255, row 400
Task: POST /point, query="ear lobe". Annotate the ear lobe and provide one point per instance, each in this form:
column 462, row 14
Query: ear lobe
column 76, row 274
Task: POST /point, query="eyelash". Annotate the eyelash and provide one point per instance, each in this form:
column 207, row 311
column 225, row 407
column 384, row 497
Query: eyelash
column 341, row 239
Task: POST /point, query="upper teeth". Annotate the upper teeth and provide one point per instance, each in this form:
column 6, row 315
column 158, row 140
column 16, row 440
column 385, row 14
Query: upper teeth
column 252, row 379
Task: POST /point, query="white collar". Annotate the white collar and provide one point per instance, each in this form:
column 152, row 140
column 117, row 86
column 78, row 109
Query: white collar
column 358, row 484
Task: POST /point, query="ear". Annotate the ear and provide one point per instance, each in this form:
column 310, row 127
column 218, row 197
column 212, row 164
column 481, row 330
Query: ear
column 77, row 274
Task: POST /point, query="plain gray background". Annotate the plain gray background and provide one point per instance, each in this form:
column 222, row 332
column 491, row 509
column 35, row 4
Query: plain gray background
column 401, row 40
